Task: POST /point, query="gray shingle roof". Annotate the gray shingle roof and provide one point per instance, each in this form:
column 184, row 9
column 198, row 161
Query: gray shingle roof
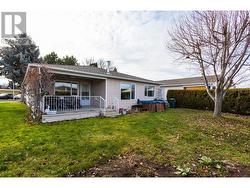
column 187, row 81
column 98, row 72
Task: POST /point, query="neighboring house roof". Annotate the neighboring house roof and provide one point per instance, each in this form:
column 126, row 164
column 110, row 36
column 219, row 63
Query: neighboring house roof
column 187, row 81
column 89, row 70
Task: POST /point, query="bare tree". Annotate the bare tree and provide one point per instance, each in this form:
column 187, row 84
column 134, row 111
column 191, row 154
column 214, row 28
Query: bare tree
column 36, row 84
column 89, row 61
column 219, row 43
column 100, row 63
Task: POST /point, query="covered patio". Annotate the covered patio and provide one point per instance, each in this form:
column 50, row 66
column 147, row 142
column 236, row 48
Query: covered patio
column 73, row 96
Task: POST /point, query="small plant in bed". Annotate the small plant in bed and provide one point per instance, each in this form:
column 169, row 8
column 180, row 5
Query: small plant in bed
column 183, row 171
column 207, row 161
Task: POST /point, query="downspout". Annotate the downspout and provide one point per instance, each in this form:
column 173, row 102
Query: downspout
column 41, row 99
column 106, row 93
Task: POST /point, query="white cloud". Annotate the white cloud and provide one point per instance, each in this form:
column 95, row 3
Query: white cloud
column 134, row 40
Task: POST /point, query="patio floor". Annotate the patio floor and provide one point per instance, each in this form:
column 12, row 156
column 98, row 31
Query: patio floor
column 70, row 115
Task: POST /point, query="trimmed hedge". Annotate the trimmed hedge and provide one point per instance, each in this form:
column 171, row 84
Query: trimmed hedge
column 236, row 100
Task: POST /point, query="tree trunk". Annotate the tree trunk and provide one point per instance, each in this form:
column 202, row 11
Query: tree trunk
column 218, row 104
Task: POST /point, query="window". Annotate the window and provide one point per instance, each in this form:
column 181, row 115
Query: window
column 66, row 88
column 149, row 91
column 127, row 91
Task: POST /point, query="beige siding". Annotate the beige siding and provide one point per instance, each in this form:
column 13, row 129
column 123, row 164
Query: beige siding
column 98, row 88
column 113, row 90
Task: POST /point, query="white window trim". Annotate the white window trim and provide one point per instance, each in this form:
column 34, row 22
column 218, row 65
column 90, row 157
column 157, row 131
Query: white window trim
column 130, row 92
column 147, row 92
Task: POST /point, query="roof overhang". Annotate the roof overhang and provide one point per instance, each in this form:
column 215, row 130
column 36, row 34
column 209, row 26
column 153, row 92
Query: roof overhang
column 184, row 85
column 62, row 71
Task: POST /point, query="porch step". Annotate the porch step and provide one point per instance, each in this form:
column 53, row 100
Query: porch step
column 110, row 113
column 69, row 116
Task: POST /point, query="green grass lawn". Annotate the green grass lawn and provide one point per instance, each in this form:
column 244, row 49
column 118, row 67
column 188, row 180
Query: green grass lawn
column 176, row 137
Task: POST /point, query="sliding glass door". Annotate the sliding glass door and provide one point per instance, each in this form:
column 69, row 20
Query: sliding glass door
column 85, row 94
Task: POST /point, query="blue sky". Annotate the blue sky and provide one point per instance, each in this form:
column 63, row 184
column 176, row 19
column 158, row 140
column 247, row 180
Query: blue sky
column 135, row 41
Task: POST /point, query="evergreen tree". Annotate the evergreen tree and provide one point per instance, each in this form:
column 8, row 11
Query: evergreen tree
column 52, row 58
column 69, row 60
column 15, row 57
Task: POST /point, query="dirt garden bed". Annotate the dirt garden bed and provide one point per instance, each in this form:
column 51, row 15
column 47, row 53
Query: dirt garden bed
column 133, row 165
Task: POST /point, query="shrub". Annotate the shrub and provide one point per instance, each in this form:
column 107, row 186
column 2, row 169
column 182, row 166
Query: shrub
column 236, row 100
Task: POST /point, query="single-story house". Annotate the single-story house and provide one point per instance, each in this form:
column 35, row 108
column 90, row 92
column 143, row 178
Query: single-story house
column 87, row 91
column 192, row 83
column 91, row 90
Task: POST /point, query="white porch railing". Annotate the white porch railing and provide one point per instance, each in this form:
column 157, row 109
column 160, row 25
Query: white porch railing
column 116, row 104
column 72, row 103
